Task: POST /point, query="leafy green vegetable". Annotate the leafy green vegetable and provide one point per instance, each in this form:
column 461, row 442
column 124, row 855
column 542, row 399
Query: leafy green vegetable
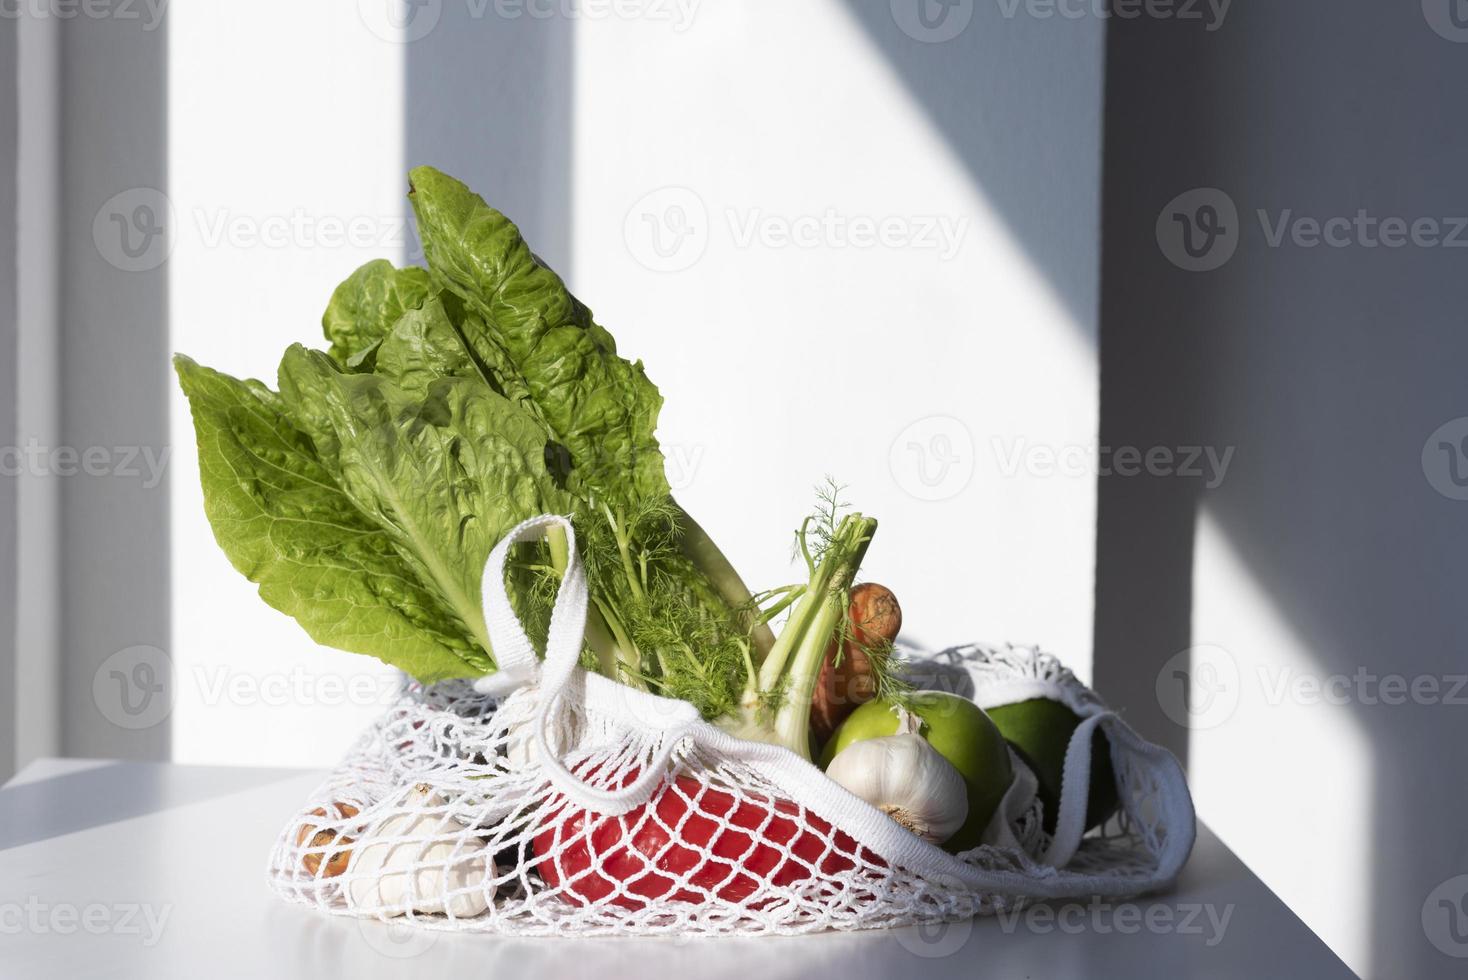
column 527, row 336
column 286, row 525
column 453, row 403
column 365, row 307
column 445, row 473
column 775, row 703
column 422, row 348
column 539, row 341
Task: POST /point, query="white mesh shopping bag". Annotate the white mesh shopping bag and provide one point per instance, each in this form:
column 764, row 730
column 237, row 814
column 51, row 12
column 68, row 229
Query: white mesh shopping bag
column 544, row 799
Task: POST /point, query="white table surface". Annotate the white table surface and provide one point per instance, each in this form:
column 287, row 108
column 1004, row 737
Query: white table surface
column 129, row 869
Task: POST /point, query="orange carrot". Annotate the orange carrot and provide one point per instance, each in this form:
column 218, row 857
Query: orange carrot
column 876, row 619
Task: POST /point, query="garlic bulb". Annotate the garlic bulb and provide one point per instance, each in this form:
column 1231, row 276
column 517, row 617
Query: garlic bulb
column 907, row 779
column 520, row 745
column 397, row 864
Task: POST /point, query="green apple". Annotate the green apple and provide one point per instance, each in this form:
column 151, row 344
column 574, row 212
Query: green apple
column 1040, row 731
column 961, row 733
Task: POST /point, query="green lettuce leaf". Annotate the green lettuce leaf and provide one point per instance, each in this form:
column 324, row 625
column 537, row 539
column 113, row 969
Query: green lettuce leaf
column 453, row 403
column 423, row 347
column 282, row 521
column 541, row 344
column 445, row 471
column 366, row 305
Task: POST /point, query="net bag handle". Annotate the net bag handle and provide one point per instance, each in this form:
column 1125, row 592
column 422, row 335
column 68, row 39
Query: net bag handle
column 519, row 666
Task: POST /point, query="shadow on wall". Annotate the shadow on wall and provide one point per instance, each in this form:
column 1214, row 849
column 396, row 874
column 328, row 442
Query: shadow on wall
column 112, row 550
column 985, row 74
column 1329, row 365
column 9, row 566
column 512, row 144
column 989, row 81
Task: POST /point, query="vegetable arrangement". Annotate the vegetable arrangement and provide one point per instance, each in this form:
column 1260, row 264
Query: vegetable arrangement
column 364, row 493
column 453, row 402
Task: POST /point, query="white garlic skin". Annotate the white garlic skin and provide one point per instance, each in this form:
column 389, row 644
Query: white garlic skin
column 381, row 868
column 521, row 748
column 907, row 779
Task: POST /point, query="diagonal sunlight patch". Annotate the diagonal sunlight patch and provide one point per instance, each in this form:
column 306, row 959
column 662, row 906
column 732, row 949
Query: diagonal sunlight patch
column 1270, row 727
column 767, row 216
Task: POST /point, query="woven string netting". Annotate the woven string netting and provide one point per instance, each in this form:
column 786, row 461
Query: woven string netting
column 1129, row 843
column 441, row 815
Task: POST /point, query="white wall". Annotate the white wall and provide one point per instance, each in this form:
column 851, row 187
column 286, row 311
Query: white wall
column 286, row 172
column 911, row 370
